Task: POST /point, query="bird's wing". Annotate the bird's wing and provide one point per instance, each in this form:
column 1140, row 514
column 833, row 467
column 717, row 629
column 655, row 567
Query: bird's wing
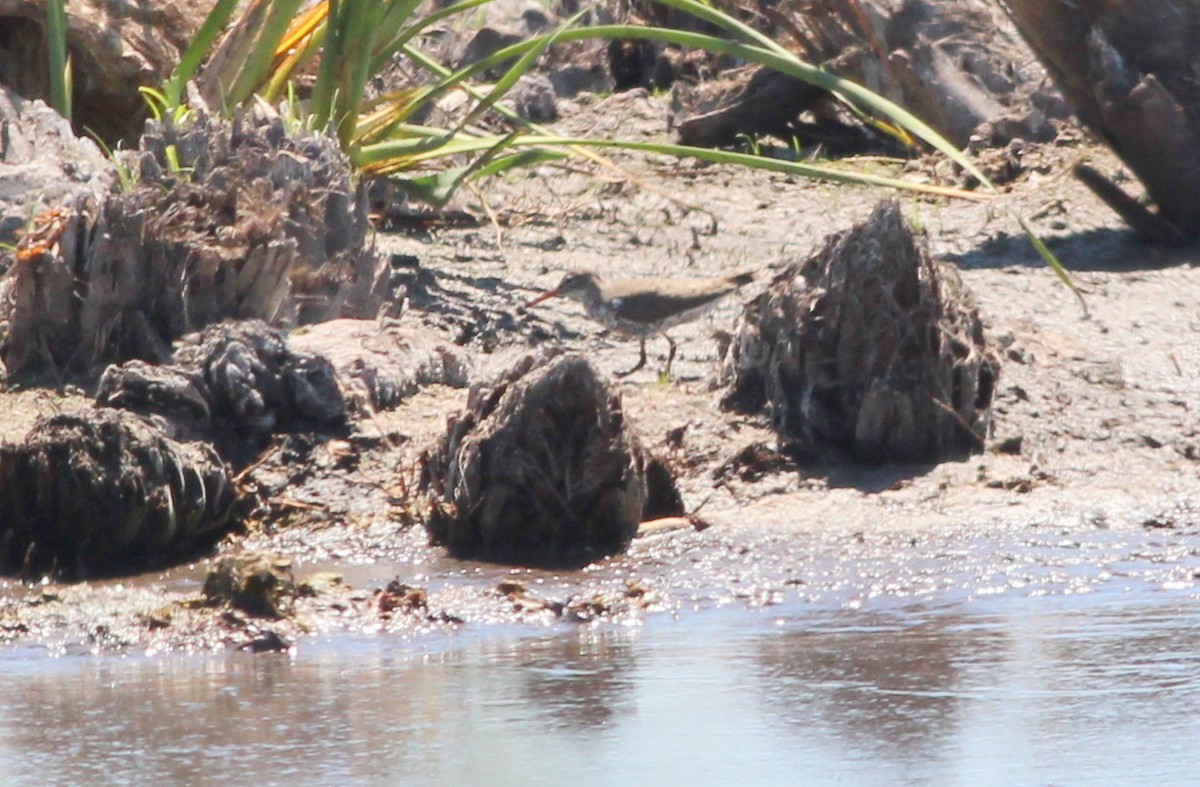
column 648, row 306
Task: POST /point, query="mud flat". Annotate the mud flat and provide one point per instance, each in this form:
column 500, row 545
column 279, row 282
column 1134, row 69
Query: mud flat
column 1094, row 424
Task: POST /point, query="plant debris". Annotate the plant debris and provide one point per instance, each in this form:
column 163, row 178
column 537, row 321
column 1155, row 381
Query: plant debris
column 259, row 584
column 105, row 492
column 869, row 350
column 540, row 467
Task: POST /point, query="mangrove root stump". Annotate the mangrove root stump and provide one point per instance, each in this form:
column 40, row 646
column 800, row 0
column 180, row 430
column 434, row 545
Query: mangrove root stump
column 540, row 468
column 870, row 350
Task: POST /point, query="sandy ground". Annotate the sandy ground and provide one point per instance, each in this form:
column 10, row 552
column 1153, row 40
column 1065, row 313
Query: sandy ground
column 1095, row 423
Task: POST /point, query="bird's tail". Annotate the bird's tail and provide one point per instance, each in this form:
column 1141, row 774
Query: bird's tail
column 742, row 279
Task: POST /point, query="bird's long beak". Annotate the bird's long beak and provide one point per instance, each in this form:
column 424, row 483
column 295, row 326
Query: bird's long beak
column 547, row 295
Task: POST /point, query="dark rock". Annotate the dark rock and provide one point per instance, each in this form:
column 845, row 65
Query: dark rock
column 751, row 102
column 486, row 42
column 267, row 642
column 115, row 48
column 534, row 99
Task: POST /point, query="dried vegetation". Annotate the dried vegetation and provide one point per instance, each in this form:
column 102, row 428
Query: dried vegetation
column 225, row 221
column 107, row 493
column 539, row 467
column 868, row 350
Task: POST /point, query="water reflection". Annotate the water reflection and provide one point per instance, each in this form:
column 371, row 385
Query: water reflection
column 363, row 711
column 892, row 686
column 581, row 682
column 183, row 720
column 1052, row 690
column 1099, row 693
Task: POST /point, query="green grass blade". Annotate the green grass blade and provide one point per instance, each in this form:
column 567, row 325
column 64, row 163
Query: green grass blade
column 321, row 102
column 395, row 21
column 1051, row 260
column 519, row 69
column 419, row 152
column 56, row 37
column 254, row 71
column 281, row 77
column 202, row 44
column 402, row 37
column 438, row 188
column 774, row 57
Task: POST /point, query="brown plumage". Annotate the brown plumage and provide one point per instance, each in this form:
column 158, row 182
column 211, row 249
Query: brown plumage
column 646, row 305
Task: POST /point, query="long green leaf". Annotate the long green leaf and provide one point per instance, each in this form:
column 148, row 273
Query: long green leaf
column 397, row 40
column 202, row 44
column 438, row 188
column 362, row 22
column 282, row 75
column 417, row 152
column 321, row 102
column 774, row 57
column 56, row 35
column 519, row 69
column 1051, row 260
column 254, row 70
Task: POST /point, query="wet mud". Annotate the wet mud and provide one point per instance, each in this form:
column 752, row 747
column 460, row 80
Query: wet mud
column 1094, row 437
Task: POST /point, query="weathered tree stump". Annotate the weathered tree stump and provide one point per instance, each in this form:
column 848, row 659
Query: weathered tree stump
column 238, row 220
column 43, row 164
column 869, row 350
column 1129, row 70
column 107, row 493
column 540, row 468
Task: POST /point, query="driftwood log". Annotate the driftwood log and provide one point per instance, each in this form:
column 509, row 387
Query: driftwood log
column 869, row 350
column 1129, row 70
column 105, row 493
column 540, row 468
column 225, row 221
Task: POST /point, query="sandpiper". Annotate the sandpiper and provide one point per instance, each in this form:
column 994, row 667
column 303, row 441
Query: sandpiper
column 647, row 305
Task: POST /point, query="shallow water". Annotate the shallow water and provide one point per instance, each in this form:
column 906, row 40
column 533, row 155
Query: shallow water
column 1101, row 687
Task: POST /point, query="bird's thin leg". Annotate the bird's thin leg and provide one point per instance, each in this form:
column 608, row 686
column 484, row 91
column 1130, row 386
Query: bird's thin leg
column 641, row 361
column 670, row 354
